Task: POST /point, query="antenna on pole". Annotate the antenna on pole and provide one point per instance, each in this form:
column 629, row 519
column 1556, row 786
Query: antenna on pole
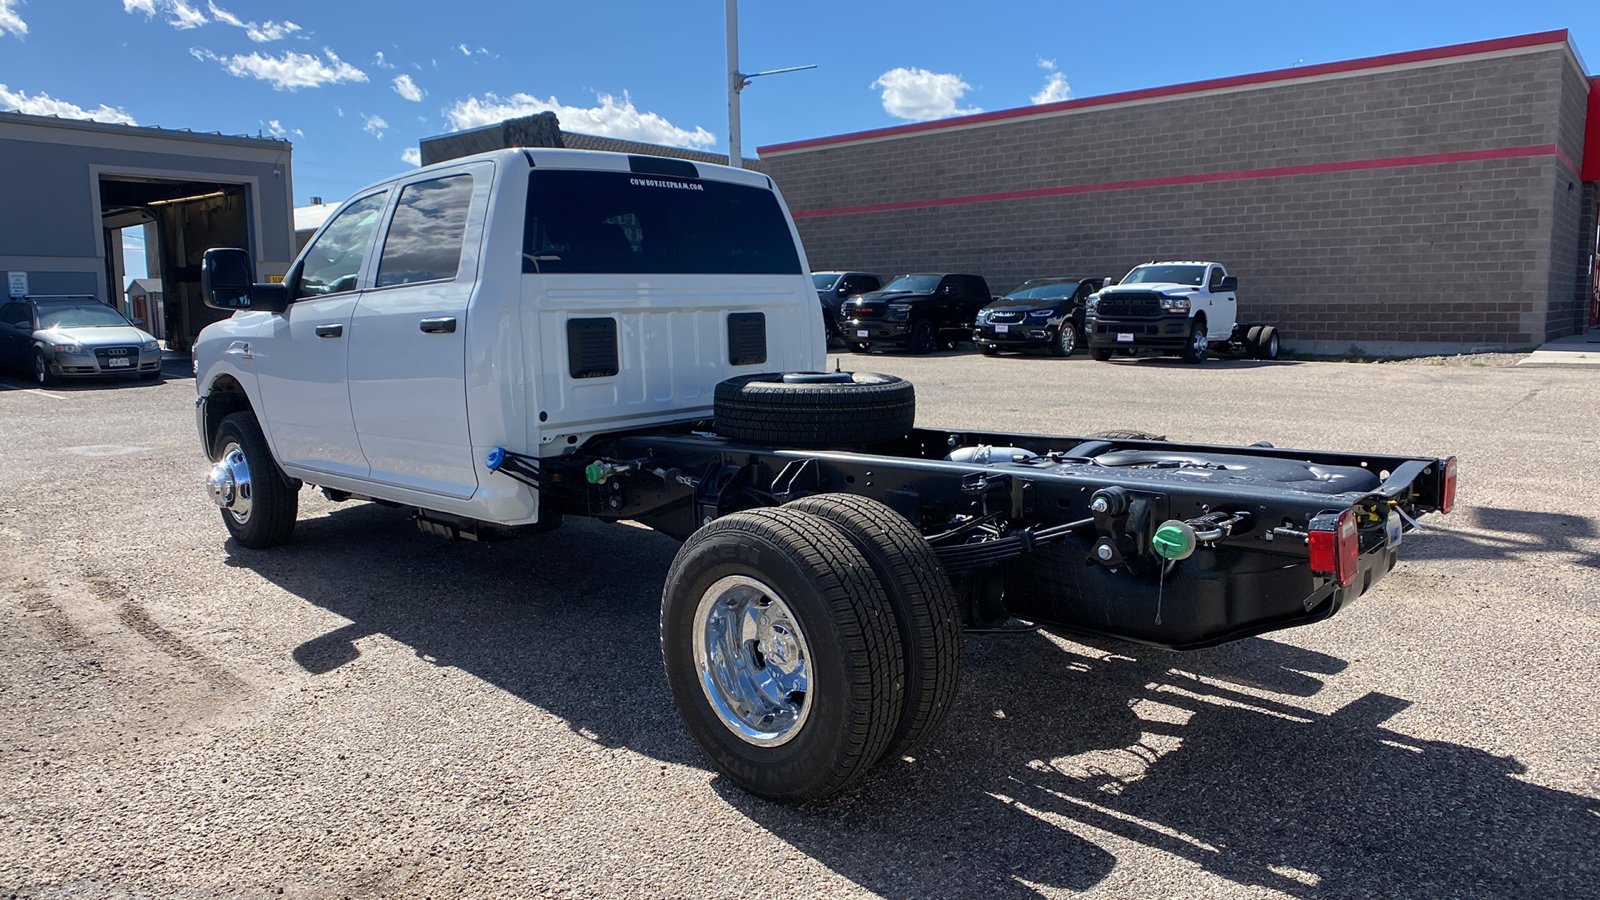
column 738, row 81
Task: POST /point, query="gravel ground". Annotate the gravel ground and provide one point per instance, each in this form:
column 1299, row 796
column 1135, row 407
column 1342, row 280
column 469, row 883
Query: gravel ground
column 372, row 712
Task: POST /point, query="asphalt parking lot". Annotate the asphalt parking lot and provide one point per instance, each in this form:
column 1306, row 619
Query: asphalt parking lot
column 373, row 712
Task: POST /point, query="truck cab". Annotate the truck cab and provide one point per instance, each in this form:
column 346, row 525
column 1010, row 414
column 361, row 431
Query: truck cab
column 523, row 299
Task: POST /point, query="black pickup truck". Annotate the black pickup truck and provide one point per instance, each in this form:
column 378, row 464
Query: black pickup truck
column 918, row 312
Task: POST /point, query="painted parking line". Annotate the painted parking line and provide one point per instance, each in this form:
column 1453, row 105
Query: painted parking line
column 33, row 392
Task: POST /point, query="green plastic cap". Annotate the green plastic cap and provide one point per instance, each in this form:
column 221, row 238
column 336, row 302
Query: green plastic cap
column 1173, row 540
column 594, row 472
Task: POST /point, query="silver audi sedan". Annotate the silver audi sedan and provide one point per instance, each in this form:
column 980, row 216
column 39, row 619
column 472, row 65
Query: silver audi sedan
column 71, row 337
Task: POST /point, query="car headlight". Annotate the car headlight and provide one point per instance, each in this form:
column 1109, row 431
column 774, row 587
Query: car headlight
column 151, row 346
column 1175, row 304
column 898, row 312
column 1093, row 303
column 66, row 347
column 1041, row 313
column 983, row 316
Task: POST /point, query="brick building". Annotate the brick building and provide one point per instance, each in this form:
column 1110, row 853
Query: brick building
column 1431, row 201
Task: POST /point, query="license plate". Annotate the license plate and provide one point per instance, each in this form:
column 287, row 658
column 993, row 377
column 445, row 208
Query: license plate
column 1394, row 530
column 1125, row 337
column 862, row 333
column 120, row 362
column 1001, row 329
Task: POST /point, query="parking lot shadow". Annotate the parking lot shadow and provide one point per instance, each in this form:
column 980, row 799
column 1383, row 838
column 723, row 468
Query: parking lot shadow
column 1058, row 753
column 1509, row 534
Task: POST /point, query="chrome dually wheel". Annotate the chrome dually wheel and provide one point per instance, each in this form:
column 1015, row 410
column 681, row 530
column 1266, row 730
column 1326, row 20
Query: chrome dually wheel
column 258, row 502
column 752, row 659
column 782, row 653
column 229, row 482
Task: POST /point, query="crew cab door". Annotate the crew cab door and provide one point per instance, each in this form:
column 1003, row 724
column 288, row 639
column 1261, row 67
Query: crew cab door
column 1222, row 306
column 302, row 355
column 408, row 343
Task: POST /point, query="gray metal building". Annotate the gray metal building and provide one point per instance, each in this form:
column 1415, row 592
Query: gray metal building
column 70, row 186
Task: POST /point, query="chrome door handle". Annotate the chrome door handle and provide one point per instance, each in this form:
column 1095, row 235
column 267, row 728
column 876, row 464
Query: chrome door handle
column 330, row 331
column 440, row 325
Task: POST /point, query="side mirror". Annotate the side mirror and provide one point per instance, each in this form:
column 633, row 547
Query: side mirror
column 227, row 282
column 1229, row 283
column 23, row 327
column 136, row 322
column 843, row 291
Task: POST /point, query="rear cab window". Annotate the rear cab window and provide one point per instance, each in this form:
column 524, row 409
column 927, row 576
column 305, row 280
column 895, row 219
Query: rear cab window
column 631, row 223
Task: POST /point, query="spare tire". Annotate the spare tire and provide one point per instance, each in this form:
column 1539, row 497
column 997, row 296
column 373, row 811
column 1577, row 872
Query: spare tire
column 806, row 410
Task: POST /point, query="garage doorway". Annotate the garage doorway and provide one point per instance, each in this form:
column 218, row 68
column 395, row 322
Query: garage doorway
column 187, row 217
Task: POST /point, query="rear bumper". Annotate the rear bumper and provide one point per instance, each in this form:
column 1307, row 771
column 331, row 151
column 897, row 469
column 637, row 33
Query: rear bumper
column 1213, row 597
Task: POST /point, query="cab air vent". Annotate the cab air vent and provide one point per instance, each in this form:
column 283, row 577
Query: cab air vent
column 747, row 338
column 592, row 347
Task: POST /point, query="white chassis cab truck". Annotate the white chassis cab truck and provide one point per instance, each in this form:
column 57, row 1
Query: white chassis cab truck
column 1188, row 308
column 504, row 340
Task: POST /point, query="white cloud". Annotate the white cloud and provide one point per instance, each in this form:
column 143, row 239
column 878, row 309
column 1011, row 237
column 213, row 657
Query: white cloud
column 276, row 129
column 920, row 95
column 375, row 126
column 463, row 49
column 412, row 156
column 610, row 119
column 405, row 87
column 223, row 16
column 261, row 33
column 9, row 20
column 180, row 14
column 291, row 71
column 381, row 62
column 46, row 105
column 1055, row 90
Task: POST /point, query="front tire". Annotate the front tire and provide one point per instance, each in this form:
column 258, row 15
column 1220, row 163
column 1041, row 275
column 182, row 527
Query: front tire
column 860, row 346
column 1194, row 350
column 922, row 339
column 925, row 608
column 43, row 375
column 261, row 502
column 781, row 653
column 1100, row 354
column 1066, row 339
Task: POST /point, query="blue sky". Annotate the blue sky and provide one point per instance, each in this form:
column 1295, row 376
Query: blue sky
column 354, row 84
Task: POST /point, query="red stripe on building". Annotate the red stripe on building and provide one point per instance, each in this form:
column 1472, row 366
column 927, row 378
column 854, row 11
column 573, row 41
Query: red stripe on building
column 1359, row 165
column 1334, row 68
column 1591, row 138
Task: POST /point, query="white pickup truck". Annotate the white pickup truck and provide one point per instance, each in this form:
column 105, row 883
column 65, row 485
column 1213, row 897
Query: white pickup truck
column 502, row 340
column 1190, row 308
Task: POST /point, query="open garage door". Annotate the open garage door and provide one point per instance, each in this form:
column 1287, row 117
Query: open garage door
column 190, row 217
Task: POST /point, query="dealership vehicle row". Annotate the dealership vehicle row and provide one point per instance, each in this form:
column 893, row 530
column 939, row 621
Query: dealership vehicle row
column 1187, row 309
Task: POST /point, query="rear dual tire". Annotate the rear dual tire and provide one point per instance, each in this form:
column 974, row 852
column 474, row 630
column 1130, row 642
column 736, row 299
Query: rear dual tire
column 807, row 643
column 781, row 653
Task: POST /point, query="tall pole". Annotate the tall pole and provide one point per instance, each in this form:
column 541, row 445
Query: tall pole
column 735, row 83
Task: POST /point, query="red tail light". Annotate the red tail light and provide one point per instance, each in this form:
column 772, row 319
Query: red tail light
column 1447, row 499
column 1335, row 546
